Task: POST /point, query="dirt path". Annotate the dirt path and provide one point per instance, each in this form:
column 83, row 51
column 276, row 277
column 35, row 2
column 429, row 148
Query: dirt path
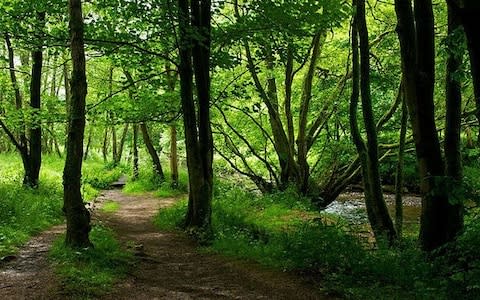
column 172, row 268
column 169, row 265
column 29, row 275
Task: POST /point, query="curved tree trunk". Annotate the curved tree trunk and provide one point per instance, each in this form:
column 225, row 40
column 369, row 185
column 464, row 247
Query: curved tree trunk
column 78, row 218
column 376, row 208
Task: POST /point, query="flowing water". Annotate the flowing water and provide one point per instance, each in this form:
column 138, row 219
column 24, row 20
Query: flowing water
column 351, row 207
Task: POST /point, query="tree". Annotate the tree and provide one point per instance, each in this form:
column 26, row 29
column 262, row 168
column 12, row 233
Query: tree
column 78, row 218
column 416, row 35
column 377, row 212
column 194, row 56
column 30, row 148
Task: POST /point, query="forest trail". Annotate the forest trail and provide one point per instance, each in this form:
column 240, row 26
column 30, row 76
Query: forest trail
column 29, row 275
column 169, row 265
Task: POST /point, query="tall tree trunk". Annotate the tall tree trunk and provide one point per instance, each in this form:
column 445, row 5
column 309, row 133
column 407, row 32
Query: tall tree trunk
column 122, row 143
column 173, row 156
column 399, row 171
column 199, row 143
column 135, row 151
column 68, row 96
column 35, row 140
column 416, row 35
column 303, row 167
column 105, row 143
column 157, row 166
column 453, row 157
column 78, row 218
column 377, row 212
column 467, row 14
column 89, row 142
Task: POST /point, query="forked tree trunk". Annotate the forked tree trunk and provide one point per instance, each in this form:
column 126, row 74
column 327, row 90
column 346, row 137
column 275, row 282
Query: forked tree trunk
column 78, row 218
column 416, row 35
column 198, row 134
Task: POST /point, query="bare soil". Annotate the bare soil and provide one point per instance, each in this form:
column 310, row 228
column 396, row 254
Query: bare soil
column 169, row 265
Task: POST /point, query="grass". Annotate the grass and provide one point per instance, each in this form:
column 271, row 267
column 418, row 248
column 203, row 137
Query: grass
column 285, row 232
column 91, row 272
column 110, row 207
column 25, row 211
column 147, row 181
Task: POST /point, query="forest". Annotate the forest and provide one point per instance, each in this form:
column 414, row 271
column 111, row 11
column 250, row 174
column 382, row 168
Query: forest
column 241, row 149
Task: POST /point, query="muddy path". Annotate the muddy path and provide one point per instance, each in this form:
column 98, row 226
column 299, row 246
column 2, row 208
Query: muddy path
column 171, row 267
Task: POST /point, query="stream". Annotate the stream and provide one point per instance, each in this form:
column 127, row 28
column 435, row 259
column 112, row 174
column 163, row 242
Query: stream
column 351, row 207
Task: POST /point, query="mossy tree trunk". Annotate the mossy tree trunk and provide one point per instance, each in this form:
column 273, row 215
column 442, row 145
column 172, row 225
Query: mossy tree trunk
column 377, row 212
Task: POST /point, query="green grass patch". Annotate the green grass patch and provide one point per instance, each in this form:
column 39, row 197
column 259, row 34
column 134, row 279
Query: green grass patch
column 147, row 181
column 110, row 207
column 91, row 272
column 25, row 211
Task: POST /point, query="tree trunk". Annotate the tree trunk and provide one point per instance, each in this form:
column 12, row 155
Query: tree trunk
column 122, row 143
column 399, row 171
column 105, row 143
column 35, row 141
column 199, row 143
column 173, row 155
column 453, row 157
column 416, row 35
column 378, row 216
column 78, row 218
column 157, row 166
column 135, row 151
column 89, row 142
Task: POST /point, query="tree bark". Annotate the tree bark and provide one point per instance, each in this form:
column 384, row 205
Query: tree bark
column 78, row 218
column 453, row 118
column 135, row 151
column 399, row 171
column 173, row 156
column 416, row 35
column 377, row 212
column 199, row 143
column 122, row 143
column 35, row 134
column 157, row 166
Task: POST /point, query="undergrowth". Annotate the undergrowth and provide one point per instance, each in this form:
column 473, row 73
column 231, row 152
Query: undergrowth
column 91, row 272
column 25, row 211
column 284, row 231
column 147, row 181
